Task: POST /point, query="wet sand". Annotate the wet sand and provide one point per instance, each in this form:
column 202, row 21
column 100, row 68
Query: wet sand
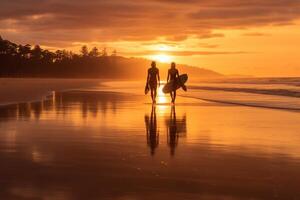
column 97, row 144
column 15, row 90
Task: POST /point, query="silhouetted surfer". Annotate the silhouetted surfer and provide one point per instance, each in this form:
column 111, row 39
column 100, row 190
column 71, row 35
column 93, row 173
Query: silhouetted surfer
column 152, row 131
column 176, row 128
column 152, row 80
column 172, row 131
column 172, row 75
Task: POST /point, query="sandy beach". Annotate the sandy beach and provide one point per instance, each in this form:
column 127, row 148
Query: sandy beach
column 15, row 90
column 103, row 143
column 150, row 100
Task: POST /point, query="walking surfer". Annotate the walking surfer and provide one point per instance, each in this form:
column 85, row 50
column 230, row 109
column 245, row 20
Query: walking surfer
column 172, row 75
column 152, row 80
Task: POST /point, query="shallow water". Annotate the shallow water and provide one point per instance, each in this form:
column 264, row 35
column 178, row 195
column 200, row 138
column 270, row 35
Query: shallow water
column 110, row 145
column 270, row 93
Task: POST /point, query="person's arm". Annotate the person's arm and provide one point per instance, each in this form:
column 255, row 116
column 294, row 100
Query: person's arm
column 168, row 76
column 147, row 78
column 158, row 77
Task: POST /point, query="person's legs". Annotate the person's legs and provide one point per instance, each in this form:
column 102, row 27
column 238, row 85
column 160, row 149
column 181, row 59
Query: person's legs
column 155, row 94
column 173, row 92
column 153, row 87
column 174, row 96
column 152, row 94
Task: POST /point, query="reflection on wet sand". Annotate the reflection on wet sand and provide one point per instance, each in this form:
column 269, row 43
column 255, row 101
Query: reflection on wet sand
column 89, row 102
column 45, row 155
column 152, row 130
column 175, row 128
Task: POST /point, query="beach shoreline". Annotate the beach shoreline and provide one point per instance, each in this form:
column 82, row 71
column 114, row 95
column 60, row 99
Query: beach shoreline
column 107, row 137
column 22, row 90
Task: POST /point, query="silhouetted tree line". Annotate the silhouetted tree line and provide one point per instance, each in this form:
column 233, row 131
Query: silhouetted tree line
column 32, row 61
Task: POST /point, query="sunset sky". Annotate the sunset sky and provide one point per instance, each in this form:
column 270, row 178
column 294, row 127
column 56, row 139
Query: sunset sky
column 250, row 37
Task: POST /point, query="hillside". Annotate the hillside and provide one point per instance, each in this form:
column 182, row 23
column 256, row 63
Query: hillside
column 137, row 68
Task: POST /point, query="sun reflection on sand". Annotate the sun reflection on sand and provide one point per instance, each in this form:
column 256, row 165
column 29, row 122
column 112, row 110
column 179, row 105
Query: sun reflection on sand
column 84, row 137
column 162, row 101
column 161, row 97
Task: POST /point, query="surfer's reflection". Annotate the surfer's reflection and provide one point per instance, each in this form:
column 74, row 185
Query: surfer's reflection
column 175, row 129
column 152, row 130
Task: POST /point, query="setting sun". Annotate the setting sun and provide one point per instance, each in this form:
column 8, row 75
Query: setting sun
column 162, row 58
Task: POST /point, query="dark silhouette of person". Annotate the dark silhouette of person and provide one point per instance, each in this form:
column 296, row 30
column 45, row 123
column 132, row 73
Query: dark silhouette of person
column 152, row 80
column 176, row 128
column 152, row 131
column 172, row 132
column 172, row 75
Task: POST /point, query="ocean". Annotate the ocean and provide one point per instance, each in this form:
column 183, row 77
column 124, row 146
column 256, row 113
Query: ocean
column 278, row 93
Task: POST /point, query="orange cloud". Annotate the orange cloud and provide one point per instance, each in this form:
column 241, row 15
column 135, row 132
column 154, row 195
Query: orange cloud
column 256, row 34
column 62, row 20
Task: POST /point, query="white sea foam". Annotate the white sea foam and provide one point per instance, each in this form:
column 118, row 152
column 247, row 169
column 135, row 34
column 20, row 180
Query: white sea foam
column 270, row 93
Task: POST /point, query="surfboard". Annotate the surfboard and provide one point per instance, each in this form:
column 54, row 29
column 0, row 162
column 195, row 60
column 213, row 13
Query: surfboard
column 179, row 82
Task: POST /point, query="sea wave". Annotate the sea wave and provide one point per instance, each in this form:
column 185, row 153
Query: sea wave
column 279, row 92
column 278, row 105
column 286, row 98
column 292, row 81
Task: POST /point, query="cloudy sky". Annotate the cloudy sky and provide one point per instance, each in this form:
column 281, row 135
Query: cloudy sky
column 254, row 37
